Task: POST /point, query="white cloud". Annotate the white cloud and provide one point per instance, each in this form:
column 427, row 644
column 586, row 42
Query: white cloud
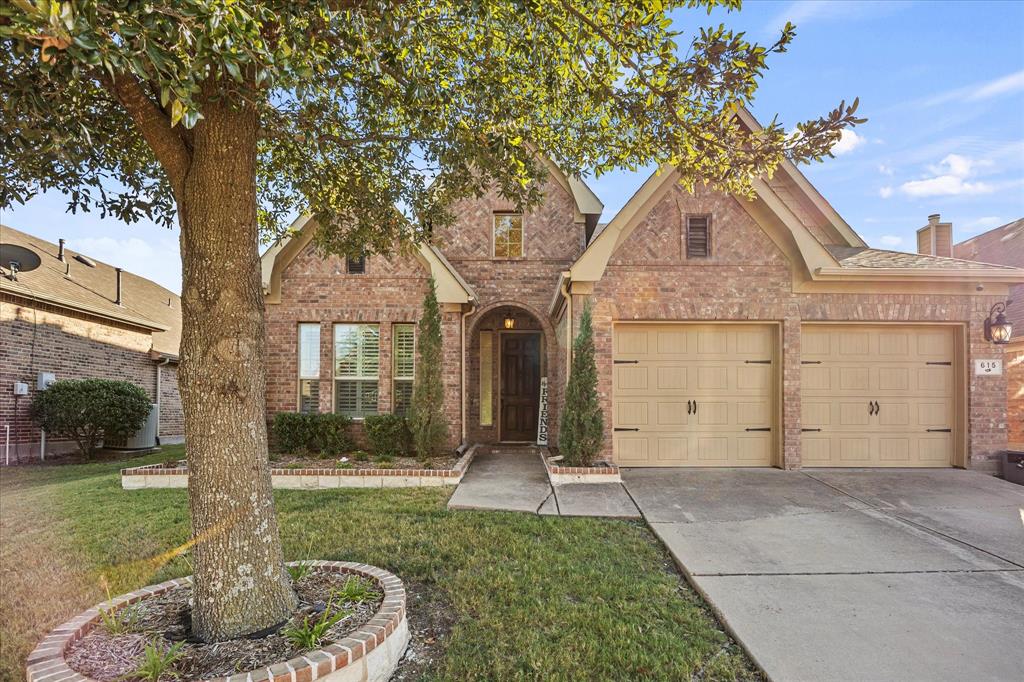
column 848, row 141
column 885, row 170
column 1004, row 85
column 949, row 178
column 804, row 12
column 157, row 260
column 885, row 192
column 985, row 223
column 891, row 240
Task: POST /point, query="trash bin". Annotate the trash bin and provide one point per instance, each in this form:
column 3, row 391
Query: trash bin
column 1013, row 466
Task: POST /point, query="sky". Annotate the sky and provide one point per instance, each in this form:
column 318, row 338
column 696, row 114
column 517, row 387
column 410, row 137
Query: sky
column 941, row 84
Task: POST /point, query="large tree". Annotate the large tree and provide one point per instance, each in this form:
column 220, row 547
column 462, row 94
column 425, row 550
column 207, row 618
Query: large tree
column 226, row 117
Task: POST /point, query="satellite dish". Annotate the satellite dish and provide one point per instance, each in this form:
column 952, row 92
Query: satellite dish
column 26, row 260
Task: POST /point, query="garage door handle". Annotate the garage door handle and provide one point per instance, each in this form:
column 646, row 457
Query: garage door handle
column 626, row 362
column 689, row 407
column 758, row 362
column 873, row 407
column 815, row 430
column 944, row 364
column 939, row 430
column 618, row 429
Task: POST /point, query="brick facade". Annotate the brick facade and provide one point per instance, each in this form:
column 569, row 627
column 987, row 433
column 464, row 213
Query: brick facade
column 747, row 277
column 39, row 337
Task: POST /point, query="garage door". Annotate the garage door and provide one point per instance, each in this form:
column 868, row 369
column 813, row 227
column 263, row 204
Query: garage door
column 877, row 396
column 693, row 395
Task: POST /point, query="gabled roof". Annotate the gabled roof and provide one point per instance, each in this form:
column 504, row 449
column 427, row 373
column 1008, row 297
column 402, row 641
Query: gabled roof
column 1003, row 245
column 586, row 201
column 783, row 207
column 451, row 287
column 93, row 290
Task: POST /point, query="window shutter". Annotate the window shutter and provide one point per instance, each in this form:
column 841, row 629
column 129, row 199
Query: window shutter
column 698, row 243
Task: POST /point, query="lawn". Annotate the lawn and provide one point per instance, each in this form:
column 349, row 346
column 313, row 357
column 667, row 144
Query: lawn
column 529, row 597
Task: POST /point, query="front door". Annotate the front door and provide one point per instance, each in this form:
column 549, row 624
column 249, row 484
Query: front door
column 520, row 386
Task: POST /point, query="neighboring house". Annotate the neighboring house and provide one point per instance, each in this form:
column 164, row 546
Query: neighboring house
column 728, row 332
column 68, row 317
column 1005, row 246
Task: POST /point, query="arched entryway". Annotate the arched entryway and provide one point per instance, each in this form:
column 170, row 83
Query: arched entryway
column 511, row 358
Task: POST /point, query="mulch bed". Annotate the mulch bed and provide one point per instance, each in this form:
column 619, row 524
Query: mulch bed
column 431, row 619
column 349, row 462
column 165, row 619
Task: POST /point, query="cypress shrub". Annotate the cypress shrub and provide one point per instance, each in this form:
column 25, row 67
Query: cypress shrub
column 388, row 434
column 429, row 429
column 582, row 429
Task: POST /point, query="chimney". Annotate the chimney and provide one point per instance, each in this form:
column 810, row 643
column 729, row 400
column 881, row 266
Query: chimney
column 118, row 271
column 60, row 250
column 935, row 238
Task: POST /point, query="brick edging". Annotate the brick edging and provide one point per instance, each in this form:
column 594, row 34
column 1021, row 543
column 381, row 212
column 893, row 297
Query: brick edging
column 46, row 662
column 558, row 475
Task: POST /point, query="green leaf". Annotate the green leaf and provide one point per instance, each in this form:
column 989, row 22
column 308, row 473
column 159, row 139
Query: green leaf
column 177, row 110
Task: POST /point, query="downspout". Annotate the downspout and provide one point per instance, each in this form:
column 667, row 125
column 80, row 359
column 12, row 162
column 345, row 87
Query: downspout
column 159, row 366
column 472, row 309
column 568, row 323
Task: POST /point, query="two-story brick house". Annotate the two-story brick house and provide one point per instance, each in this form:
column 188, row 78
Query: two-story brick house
column 728, row 332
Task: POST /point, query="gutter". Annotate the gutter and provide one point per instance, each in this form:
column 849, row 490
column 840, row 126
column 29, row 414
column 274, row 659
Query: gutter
column 564, row 290
column 159, row 368
column 462, row 331
column 1008, row 276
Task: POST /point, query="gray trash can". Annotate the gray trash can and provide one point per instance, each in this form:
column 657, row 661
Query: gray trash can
column 1013, row 466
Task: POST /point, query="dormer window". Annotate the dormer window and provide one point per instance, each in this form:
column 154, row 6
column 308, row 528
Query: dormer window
column 508, row 235
column 355, row 266
column 698, row 236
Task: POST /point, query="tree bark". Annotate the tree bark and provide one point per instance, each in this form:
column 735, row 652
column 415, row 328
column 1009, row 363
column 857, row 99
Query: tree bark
column 240, row 585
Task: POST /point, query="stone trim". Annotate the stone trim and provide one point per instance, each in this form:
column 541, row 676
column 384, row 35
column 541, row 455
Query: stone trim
column 162, row 476
column 341, row 660
column 560, row 475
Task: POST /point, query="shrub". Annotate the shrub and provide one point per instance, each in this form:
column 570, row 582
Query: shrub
column 90, row 410
column 388, row 434
column 429, row 428
column 323, row 434
column 582, row 427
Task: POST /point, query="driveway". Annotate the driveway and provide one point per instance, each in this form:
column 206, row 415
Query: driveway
column 831, row 574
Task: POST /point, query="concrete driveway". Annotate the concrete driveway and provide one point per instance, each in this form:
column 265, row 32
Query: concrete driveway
column 832, row 574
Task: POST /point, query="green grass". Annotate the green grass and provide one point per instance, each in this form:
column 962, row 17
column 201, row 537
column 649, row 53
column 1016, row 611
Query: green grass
column 533, row 597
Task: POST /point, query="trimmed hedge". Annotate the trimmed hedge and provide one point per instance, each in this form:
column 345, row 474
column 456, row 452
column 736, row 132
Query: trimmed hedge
column 90, row 411
column 388, row 434
column 319, row 434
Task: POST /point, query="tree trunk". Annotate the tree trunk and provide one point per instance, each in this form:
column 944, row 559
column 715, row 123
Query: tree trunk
column 240, row 585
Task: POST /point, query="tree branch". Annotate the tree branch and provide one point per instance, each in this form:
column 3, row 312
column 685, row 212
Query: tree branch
column 153, row 124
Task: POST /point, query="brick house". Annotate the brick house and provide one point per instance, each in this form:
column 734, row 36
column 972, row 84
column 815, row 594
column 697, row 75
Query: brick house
column 1005, row 246
column 65, row 314
column 728, row 332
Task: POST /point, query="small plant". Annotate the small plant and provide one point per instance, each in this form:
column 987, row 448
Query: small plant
column 361, row 456
column 383, row 461
column 299, row 570
column 119, row 621
column 356, row 591
column 156, row 663
column 293, row 465
column 310, row 633
column 388, row 434
column 344, row 465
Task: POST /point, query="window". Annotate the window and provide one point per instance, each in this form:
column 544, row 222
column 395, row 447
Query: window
column 698, row 241
column 355, row 266
column 403, row 365
column 508, row 235
column 356, row 367
column 486, row 367
column 309, row 368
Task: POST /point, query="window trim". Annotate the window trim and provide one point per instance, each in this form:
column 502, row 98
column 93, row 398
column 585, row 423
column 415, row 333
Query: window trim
column 358, row 378
column 395, row 379
column 298, row 369
column 494, row 236
column 686, row 236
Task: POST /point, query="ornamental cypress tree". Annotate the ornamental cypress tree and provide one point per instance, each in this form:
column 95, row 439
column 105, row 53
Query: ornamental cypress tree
column 582, row 428
column 429, row 429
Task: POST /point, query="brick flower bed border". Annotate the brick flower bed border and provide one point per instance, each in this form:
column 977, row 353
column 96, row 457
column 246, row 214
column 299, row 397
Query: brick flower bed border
column 560, row 475
column 162, row 476
column 371, row 652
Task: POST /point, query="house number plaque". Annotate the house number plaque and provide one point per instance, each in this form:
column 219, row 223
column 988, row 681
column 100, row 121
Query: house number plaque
column 988, row 368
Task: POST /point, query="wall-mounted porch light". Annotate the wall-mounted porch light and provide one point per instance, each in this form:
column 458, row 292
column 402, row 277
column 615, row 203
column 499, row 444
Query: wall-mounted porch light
column 510, row 322
column 997, row 329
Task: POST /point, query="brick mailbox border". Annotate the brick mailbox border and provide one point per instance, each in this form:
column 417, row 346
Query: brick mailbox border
column 369, row 653
column 560, row 475
column 162, row 476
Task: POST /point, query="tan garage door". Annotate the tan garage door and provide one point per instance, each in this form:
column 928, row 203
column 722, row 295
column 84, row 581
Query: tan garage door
column 877, row 396
column 693, row 394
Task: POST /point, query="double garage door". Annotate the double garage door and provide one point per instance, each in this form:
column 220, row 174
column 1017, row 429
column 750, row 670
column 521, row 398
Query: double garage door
column 707, row 395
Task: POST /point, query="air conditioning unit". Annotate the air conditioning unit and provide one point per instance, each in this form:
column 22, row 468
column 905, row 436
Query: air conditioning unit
column 144, row 438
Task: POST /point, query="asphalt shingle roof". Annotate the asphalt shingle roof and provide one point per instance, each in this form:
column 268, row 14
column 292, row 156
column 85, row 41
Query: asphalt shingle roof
column 864, row 257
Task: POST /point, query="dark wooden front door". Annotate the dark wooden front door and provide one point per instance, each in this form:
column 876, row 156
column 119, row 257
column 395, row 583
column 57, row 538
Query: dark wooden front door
column 520, row 386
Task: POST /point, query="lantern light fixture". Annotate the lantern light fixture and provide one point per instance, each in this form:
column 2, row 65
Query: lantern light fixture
column 510, row 321
column 997, row 329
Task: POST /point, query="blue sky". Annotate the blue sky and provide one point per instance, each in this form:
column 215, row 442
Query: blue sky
column 942, row 84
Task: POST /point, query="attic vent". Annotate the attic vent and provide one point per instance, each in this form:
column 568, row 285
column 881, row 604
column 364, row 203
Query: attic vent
column 85, row 260
column 698, row 241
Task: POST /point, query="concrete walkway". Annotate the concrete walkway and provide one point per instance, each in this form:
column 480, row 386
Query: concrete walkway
column 514, row 479
column 854, row 574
